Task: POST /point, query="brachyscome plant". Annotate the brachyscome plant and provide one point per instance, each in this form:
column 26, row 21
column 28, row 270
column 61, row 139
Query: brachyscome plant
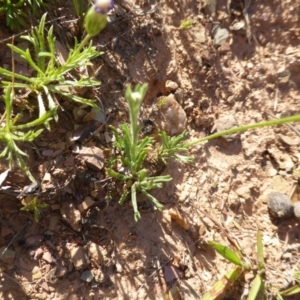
column 50, row 78
column 11, row 133
column 128, row 166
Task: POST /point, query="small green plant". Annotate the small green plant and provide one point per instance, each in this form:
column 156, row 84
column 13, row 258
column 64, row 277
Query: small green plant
column 236, row 258
column 50, row 78
column 133, row 153
column 258, row 289
column 186, row 24
column 16, row 12
column 32, row 205
column 11, row 133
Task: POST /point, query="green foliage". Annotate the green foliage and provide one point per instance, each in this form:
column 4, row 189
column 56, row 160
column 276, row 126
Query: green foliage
column 49, row 75
column 16, row 12
column 236, row 258
column 79, row 8
column 172, row 145
column 11, row 133
column 50, row 78
column 133, row 153
column 32, row 205
column 186, row 24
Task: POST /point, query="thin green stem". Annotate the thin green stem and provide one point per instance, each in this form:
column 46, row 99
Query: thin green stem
column 83, row 43
column 244, row 128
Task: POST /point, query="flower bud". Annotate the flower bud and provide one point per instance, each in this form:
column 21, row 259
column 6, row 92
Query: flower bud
column 96, row 17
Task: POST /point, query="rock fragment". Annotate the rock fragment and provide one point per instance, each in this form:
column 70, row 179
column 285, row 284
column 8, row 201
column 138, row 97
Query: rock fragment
column 95, row 252
column 87, row 275
column 79, row 258
column 171, row 86
column 280, row 205
column 221, row 34
column 71, row 215
column 93, row 157
column 47, row 257
column 87, row 203
column 297, row 209
column 179, row 219
column 226, row 123
column 170, row 116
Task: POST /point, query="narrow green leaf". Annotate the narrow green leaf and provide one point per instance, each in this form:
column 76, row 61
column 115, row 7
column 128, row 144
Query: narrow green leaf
column 117, row 175
column 291, row 291
column 153, row 199
column 227, row 253
column 123, row 197
column 46, row 54
column 256, row 285
column 260, row 251
column 137, row 215
column 278, row 297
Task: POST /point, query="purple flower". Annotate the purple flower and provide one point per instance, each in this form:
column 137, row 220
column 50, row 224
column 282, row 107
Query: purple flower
column 103, row 6
column 96, row 17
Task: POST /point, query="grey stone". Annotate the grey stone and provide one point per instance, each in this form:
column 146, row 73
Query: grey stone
column 226, row 123
column 221, row 35
column 280, row 205
column 87, row 276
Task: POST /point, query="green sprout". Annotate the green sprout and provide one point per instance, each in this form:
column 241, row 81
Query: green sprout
column 32, row 205
column 186, row 24
column 162, row 102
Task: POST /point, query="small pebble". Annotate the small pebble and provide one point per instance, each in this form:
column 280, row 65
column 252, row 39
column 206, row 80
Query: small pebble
column 221, row 35
column 297, row 209
column 280, row 205
column 47, row 257
column 226, row 123
column 79, row 258
column 87, row 276
column 171, row 86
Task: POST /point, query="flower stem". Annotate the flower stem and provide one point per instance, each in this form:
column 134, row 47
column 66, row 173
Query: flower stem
column 246, row 127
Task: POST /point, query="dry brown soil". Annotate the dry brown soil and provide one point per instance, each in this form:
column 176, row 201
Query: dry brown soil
column 253, row 75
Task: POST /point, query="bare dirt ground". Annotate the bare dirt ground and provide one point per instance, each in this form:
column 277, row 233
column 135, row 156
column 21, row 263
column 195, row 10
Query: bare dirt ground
column 252, row 75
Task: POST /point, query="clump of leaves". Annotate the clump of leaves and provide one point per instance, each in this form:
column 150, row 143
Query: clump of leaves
column 31, row 204
column 50, row 77
column 11, row 133
column 16, row 12
column 128, row 166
